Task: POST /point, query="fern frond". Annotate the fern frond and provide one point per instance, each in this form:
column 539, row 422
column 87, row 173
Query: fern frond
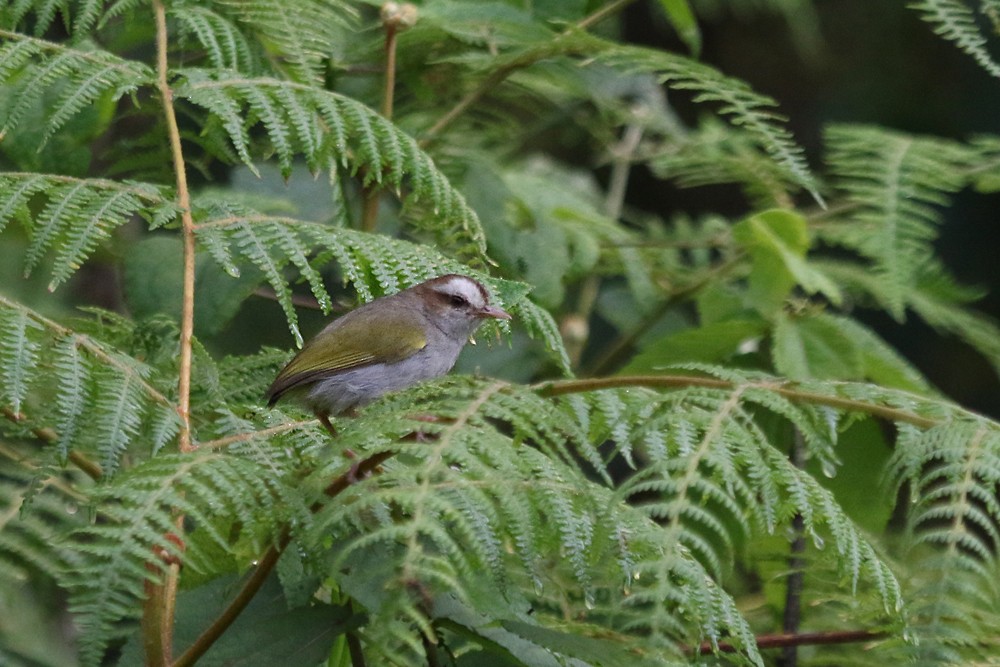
column 955, row 21
column 716, row 154
column 226, row 47
column 302, row 35
column 896, row 181
column 951, row 474
column 742, row 106
column 102, row 400
column 217, row 493
column 33, row 65
column 494, row 467
column 76, row 216
column 329, row 129
column 30, row 535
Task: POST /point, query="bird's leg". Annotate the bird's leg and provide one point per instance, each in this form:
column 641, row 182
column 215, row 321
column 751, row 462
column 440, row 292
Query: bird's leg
column 324, row 418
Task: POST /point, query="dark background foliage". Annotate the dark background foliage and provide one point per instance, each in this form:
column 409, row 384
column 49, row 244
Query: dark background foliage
column 861, row 62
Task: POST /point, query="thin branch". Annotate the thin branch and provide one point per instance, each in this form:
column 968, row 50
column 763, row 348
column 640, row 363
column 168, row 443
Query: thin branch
column 801, row 639
column 621, row 347
column 187, row 229
column 158, row 608
column 266, row 564
column 792, row 619
column 256, row 435
column 785, row 389
column 48, row 435
column 501, row 74
column 393, row 21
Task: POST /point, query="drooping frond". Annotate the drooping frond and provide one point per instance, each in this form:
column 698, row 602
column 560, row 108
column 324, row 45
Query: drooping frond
column 717, row 154
column 737, row 102
column 101, row 400
column 32, row 66
column 896, row 183
column 372, row 264
column 955, row 21
column 136, row 536
column 71, row 216
column 328, row 129
column 951, row 474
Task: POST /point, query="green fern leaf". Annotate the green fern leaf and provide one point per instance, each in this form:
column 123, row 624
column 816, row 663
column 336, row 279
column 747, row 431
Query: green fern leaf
column 955, row 21
column 896, row 182
column 19, row 347
column 225, row 45
column 737, row 102
column 34, row 65
column 119, row 554
column 77, row 215
column 354, row 135
column 304, row 37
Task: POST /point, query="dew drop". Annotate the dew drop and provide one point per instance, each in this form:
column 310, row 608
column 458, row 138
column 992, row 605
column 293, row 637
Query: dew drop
column 818, row 541
column 72, row 508
column 539, row 587
column 829, row 468
column 588, row 599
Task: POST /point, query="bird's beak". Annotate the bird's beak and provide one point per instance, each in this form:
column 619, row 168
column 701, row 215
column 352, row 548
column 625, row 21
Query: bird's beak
column 494, row 312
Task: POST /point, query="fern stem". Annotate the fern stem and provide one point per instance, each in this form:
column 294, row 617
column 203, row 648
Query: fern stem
column 48, row 435
column 562, row 387
column 187, row 229
column 792, row 617
column 158, row 608
column 255, row 435
column 369, row 215
column 266, row 564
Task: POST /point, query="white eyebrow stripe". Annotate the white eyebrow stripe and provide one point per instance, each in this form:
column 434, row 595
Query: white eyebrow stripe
column 463, row 287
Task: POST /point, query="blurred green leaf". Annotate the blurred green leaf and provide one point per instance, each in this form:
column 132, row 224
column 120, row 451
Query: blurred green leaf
column 684, row 22
column 299, row 636
column 153, row 285
column 777, row 241
column 711, row 343
column 814, row 348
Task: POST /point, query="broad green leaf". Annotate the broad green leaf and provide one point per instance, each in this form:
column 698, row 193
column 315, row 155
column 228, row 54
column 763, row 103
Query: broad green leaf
column 777, row 241
column 267, row 633
column 815, row 348
column 712, row 343
column 682, row 18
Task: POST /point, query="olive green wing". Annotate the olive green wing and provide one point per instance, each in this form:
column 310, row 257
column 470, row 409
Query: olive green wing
column 367, row 338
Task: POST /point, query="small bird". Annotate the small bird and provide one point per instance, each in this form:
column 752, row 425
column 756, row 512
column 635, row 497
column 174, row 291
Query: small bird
column 388, row 344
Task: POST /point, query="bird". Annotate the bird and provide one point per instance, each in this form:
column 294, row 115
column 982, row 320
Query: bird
column 386, row 345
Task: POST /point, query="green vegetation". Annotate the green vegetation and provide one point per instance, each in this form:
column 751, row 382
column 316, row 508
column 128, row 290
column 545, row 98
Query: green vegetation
column 684, row 444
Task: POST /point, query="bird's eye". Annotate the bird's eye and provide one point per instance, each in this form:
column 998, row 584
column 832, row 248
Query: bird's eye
column 458, row 301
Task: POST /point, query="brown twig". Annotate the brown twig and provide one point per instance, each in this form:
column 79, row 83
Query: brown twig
column 158, row 608
column 266, row 564
column 48, row 435
column 801, row 639
column 785, row 389
column 187, row 229
column 396, row 18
